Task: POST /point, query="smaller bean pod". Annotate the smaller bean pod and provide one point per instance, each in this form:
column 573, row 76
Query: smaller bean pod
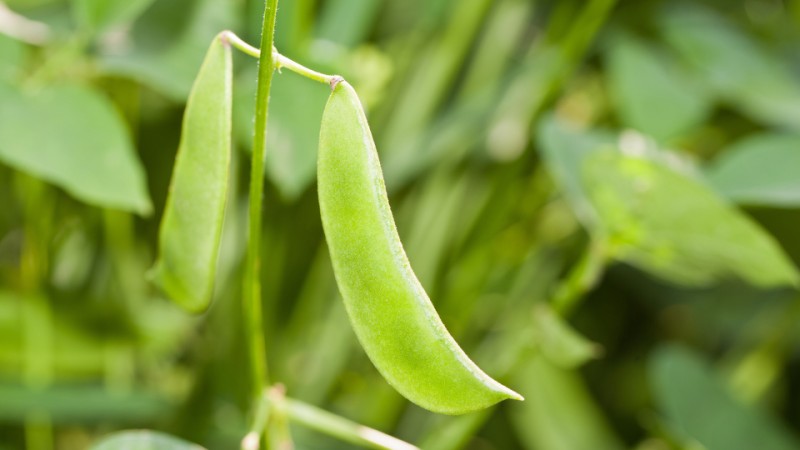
column 191, row 227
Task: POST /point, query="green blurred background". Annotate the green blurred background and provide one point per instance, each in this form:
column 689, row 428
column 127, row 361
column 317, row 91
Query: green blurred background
column 634, row 163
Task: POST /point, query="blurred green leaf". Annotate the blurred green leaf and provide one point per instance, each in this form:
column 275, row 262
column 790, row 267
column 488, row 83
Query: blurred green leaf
column 558, row 341
column 558, row 412
column 170, row 67
column 72, row 136
column 699, row 406
column 760, row 170
column 676, row 227
column 733, row 64
column 72, row 259
column 143, row 440
column 346, row 22
column 71, row 352
column 70, row 404
column 563, row 148
column 650, row 93
column 12, row 54
column 98, row 15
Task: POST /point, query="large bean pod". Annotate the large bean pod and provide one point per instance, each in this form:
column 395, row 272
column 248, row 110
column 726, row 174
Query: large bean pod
column 192, row 224
column 392, row 315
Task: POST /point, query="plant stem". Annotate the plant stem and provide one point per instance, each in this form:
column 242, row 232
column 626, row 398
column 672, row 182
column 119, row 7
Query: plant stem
column 251, row 300
column 755, row 369
column 279, row 60
column 252, row 439
column 581, row 278
column 239, row 44
column 337, row 426
column 300, row 69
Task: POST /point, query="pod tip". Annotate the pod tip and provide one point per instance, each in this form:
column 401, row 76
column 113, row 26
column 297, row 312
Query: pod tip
column 512, row 395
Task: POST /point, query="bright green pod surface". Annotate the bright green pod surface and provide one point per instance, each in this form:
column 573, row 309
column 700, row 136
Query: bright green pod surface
column 392, row 315
column 192, row 224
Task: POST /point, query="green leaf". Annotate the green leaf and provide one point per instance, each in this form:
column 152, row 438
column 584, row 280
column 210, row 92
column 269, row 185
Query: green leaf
column 650, row 94
column 73, row 137
column 191, row 229
column 170, row 69
column 98, row 15
column 559, row 342
column 564, row 148
column 630, row 201
column 558, row 412
column 143, row 440
column 86, row 404
column 674, row 226
column 12, row 55
column 760, row 170
column 745, row 73
column 699, row 406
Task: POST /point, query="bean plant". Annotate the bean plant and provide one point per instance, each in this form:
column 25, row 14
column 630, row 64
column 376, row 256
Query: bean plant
column 204, row 245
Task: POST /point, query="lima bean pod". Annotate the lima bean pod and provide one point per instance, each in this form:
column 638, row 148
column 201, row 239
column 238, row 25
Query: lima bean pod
column 390, row 312
column 192, row 223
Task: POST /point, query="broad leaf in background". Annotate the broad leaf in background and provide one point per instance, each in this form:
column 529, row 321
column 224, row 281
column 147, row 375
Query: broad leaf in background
column 563, row 148
column 558, row 412
column 98, row 15
column 12, row 54
column 698, row 405
column 739, row 69
column 295, row 112
column 675, row 227
column 558, row 341
column 143, row 440
column 650, row 94
column 760, row 170
column 73, row 137
column 171, row 69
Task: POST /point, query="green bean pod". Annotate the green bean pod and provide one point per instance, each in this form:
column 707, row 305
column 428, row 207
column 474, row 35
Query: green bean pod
column 191, row 227
column 391, row 314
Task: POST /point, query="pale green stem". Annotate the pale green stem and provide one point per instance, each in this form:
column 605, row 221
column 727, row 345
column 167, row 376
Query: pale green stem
column 239, row 44
column 23, row 29
column 337, row 426
column 274, row 405
column 298, row 68
column 252, row 440
column 280, row 61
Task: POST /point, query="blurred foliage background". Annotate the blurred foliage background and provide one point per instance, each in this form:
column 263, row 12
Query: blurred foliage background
column 601, row 197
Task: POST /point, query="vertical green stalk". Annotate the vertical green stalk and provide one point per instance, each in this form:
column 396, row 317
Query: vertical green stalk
column 582, row 278
column 37, row 323
column 251, row 301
